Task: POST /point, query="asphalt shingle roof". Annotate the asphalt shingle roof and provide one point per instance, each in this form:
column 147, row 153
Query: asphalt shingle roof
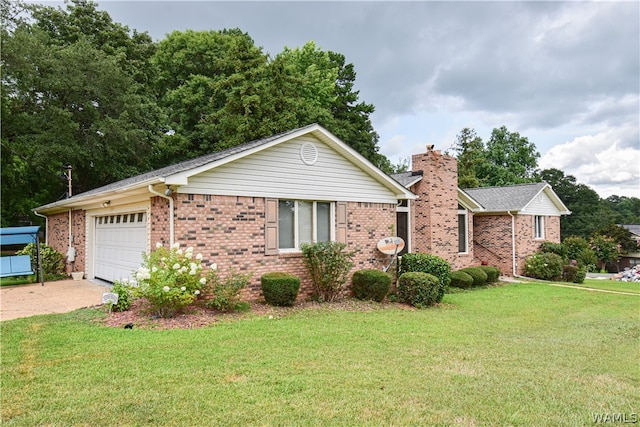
column 510, row 198
column 407, row 178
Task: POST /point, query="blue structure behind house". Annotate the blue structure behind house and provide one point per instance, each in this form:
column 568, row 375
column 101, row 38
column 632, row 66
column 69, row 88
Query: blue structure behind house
column 19, row 265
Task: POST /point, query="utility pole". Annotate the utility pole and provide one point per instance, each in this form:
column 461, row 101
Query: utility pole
column 67, row 175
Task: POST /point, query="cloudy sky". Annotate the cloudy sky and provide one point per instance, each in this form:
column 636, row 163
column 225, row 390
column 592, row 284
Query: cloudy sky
column 564, row 74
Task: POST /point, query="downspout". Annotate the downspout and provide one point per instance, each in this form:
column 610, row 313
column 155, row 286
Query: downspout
column 513, row 244
column 152, row 191
column 46, row 226
column 46, row 234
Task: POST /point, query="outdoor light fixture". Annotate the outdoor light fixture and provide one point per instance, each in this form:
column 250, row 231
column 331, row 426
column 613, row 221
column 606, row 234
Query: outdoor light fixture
column 105, row 204
column 168, row 191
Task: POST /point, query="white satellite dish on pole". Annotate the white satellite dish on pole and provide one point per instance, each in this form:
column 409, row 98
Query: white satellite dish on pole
column 391, row 245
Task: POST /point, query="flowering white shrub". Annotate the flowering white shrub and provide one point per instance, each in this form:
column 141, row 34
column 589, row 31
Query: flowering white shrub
column 170, row 279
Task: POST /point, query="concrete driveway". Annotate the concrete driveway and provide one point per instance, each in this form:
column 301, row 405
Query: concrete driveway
column 54, row 297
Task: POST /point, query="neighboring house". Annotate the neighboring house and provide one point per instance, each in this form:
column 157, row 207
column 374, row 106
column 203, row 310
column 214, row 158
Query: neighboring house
column 496, row 225
column 631, row 259
column 248, row 208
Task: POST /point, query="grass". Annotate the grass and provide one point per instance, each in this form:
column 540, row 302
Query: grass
column 611, row 285
column 18, row 280
column 519, row 354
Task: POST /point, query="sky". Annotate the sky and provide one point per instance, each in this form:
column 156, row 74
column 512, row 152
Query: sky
column 566, row 75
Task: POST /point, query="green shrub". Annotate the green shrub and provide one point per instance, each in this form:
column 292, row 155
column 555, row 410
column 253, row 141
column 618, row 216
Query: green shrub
column 328, row 266
column 427, row 263
column 460, row 279
column 493, row 273
column 545, row 266
column 52, row 261
column 226, row 291
column 477, row 274
column 125, row 296
column 418, row 289
column 581, row 274
column 554, row 248
column 280, row 288
column 370, row 284
column 569, row 273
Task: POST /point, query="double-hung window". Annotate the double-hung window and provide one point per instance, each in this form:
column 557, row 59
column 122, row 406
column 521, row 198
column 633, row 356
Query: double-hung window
column 538, row 225
column 463, row 240
column 302, row 221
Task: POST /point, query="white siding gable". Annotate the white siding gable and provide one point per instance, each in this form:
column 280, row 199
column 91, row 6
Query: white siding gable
column 541, row 205
column 280, row 172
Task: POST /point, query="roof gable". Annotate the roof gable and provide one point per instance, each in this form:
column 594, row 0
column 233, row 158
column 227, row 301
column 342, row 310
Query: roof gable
column 524, row 198
column 179, row 173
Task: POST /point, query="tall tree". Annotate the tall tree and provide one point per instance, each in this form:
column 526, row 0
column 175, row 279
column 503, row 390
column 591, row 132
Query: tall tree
column 588, row 213
column 470, row 154
column 510, row 159
column 69, row 97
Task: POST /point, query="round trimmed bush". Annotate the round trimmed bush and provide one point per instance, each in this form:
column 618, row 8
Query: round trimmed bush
column 493, row 273
column 479, row 277
column 370, row 284
column 427, row 263
column 460, row 279
column 280, row 288
column 418, row 289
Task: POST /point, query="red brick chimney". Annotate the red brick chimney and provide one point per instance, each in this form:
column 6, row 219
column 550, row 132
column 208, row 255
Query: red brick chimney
column 435, row 217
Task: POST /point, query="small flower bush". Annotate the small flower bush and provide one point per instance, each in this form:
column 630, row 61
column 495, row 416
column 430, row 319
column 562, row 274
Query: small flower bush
column 170, row 279
column 226, row 291
column 125, row 296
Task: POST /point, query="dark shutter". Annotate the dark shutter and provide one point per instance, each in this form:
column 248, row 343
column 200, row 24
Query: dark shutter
column 341, row 222
column 271, row 227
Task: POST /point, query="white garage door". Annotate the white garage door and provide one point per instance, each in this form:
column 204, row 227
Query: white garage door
column 120, row 241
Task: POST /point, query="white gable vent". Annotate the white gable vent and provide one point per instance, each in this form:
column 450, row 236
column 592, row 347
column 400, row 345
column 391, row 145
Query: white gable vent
column 309, row 153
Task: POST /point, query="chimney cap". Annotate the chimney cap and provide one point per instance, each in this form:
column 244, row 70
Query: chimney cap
column 430, row 147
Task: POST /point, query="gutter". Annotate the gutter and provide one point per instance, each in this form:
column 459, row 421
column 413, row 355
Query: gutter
column 171, row 235
column 513, row 243
column 46, row 226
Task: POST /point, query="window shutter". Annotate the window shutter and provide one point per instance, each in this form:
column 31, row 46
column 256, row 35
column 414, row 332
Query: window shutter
column 341, row 222
column 271, row 227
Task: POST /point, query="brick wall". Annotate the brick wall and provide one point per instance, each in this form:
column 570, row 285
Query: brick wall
column 58, row 236
column 494, row 244
column 492, row 241
column 230, row 231
column 435, row 212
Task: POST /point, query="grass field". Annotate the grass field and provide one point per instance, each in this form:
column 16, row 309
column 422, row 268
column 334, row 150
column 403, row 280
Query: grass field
column 519, row 354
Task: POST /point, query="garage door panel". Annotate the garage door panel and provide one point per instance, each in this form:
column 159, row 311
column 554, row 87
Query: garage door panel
column 120, row 242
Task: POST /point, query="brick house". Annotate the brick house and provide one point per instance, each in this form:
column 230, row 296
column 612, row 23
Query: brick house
column 498, row 226
column 249, row 208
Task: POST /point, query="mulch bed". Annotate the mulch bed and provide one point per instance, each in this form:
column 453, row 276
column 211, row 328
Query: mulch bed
column 199, row 316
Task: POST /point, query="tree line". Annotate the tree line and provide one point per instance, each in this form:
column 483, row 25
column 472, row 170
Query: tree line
column 80, row 89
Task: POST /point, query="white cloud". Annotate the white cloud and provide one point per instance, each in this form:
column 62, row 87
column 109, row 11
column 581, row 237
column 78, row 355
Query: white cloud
column 603, row 161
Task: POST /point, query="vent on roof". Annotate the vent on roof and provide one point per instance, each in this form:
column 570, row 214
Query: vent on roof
column 308, row 153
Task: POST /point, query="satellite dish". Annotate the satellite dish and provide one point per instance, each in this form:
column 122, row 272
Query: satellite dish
column 390, row 245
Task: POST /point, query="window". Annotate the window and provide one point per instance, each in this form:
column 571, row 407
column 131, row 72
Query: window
column 462, row 231
column 303, row 222
column 538, row 224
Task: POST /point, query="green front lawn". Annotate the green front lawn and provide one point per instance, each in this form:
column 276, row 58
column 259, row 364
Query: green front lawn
column 519, row 354
column 611, row 285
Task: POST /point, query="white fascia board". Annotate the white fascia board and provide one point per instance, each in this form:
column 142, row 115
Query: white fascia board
column 82, row 201
column 548, row 191
column 469, row 202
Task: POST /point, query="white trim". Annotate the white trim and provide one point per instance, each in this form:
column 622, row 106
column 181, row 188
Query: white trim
column 466, row 231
